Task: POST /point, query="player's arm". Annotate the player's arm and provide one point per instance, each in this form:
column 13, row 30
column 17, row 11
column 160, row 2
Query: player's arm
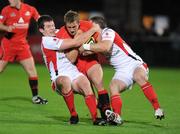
column 101, row 46
column 72, row 55
column 6, row 28
column 80, row 39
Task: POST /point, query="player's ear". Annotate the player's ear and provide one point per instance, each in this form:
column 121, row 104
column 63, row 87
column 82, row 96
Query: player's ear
column 41, row 30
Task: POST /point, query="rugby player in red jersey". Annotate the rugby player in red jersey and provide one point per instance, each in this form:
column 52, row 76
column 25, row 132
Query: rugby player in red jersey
column 14, row 20
column 88, row 65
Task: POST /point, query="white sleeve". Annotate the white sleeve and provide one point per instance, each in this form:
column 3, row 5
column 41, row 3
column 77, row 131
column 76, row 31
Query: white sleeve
column 108, row 34
column 51, row 43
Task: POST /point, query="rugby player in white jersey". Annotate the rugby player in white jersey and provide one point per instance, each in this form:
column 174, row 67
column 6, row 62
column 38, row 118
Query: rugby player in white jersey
column 65, row 77
column 129, row 68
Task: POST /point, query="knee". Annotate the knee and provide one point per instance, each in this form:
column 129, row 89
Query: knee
column 113, row 88
column 140, row 79
column 63, row 85
column 86, row 87
column 1, row 69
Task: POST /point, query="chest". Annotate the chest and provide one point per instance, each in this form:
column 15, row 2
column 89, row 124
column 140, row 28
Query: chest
column 18, row 16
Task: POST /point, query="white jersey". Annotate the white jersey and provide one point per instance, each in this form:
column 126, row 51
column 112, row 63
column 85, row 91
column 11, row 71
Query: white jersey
column 56, row 61
column 121, row 54
column 121, row 57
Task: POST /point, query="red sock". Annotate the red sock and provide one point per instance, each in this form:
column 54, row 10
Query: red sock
column 150, row 95
column 91, row 104
column 69, row 99
column 116, row 103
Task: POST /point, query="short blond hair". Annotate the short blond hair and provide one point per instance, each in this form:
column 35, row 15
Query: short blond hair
column 71, row 16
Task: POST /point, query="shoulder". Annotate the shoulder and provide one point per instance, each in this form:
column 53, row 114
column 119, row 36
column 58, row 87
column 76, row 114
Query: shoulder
column 28, row 7
column 6, row 9
column 47, row 39
column 62, row 33
column 107, row 30
column 85, row 25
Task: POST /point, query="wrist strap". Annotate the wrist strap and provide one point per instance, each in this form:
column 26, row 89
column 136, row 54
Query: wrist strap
column 86, row 46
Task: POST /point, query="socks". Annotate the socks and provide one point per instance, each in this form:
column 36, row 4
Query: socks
column 69, row 99
column 116, row 104
column 33, row 82
column 91, row 104
column 103, row 102
column 150, row 95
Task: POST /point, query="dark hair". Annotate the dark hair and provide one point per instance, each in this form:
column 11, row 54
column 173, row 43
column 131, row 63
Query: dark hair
column 71, row 16
column 42, row 19
column 99, row 20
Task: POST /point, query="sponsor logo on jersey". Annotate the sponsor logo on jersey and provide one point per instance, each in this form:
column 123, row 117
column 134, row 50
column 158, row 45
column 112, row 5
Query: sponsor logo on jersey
column 27, row 13
column 12, row 14
column 21, row 20
column 21, row 24
column 54, row 39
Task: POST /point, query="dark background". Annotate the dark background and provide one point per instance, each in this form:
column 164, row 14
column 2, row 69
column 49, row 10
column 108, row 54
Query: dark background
column 125, row 16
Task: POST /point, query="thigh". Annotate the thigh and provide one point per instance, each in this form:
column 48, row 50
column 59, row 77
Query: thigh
column 81, row 85
column 84, row 65
column 7, row 52
column 124, row 76
column 29, row 66
column 117, row 86
column 95, row 74
column 23, row 53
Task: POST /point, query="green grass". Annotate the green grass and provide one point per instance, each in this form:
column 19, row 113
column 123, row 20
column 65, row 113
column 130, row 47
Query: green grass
column 19, row 116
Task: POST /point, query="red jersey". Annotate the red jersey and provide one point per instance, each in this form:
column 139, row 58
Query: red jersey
column 84, row 26
column 83, row 62
column 20, row 18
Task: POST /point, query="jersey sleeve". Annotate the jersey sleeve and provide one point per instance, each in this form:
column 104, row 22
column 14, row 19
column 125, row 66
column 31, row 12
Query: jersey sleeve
column 35, row 13
column 108, row 34
column 3, row 16
column 85, row 25
column 52, row 43
column 62, row 33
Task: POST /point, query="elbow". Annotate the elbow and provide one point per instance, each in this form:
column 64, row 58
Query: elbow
column 72, row 60
column 106, row 49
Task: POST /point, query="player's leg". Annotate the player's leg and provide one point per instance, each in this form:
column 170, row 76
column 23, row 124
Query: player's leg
column 5, row 56
column 95, row 74
column 82, row 85
column 29, row 67
column 141, row 78
column 63, row 84
column 3, row 65
column 116, row 87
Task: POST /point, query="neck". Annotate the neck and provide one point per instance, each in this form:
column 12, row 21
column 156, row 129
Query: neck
column 18, row 6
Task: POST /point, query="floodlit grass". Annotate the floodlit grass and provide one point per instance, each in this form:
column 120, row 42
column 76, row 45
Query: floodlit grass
column 19, row 116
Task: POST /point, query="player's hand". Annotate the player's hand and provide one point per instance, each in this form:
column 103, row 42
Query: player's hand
column 81, row 49
column 86, row 53
column 10, row 28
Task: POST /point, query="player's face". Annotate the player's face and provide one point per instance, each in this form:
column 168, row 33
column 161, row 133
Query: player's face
column 49, row 29
column 13, row 3
column 72, row 28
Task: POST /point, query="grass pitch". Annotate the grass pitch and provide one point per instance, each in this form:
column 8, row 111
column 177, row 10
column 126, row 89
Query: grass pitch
column 19, row 116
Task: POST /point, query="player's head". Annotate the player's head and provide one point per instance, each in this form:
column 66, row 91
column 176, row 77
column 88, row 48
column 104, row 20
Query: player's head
column 71, row 20
column 46, row 25
column 99, row 20
column 14, row 3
